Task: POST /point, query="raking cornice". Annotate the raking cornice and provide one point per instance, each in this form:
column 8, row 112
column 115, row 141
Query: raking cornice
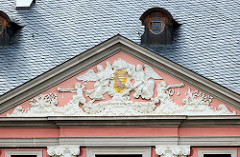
column 103, row 51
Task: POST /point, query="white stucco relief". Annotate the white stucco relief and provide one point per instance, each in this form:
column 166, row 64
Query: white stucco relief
column 124, row 83
column 63, row 151
column 172, row 150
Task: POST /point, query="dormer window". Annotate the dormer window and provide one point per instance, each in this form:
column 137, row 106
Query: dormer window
column 159, row 26
column 7, row 29
column 1, row 25
column 156, row 25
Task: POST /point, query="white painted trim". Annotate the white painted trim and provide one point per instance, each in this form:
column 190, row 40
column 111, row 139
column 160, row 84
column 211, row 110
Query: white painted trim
column 121, row 121
column 124, row 141
column 92, row 151
column 233, row 152
column 8, row 153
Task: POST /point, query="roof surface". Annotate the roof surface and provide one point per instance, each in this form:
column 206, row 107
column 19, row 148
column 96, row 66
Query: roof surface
column 207, row 42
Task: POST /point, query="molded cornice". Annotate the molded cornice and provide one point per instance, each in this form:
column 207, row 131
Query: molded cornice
column 128, row 121
column 139, row 141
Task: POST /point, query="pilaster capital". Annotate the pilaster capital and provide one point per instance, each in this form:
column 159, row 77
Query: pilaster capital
column 63, row 150
column 172, row 150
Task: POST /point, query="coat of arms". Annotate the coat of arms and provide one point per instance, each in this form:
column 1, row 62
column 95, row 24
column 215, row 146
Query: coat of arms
column 120, row 79
column 115, row 80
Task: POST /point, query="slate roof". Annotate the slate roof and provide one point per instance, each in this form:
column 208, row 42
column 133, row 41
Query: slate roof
column 207, row 42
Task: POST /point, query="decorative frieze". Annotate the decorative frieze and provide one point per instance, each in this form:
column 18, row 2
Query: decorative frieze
column 118, row 81
column 172, row 150
column 63, row 151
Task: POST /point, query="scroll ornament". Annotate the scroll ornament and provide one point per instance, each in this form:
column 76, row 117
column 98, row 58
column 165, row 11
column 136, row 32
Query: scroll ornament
column 63, row 150
column 173, row 150
column 116, row 80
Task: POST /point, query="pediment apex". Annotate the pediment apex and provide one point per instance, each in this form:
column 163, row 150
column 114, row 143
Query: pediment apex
column 100, row 53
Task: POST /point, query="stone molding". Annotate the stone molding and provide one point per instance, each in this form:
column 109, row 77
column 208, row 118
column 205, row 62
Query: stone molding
column 232, row 152
column 93, row 151
column 172, row 150
column 37, row 153
column 63, row 150
column 150, row 121
column 199, row 141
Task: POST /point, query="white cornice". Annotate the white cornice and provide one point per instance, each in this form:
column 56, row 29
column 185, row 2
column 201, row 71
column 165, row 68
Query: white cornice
column 110, row 121
column 136, row 141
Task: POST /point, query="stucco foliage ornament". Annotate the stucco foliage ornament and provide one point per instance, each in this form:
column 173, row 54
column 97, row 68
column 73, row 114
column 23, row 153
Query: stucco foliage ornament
column 198, row 103
column 124, row 83
column 63, row 150
column 173, row 150
column 195, row 103
column 46, row 105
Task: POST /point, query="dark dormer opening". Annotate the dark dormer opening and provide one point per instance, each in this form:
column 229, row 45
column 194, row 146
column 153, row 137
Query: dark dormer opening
column 8, row 29
column 159, row 26
column 4, row 37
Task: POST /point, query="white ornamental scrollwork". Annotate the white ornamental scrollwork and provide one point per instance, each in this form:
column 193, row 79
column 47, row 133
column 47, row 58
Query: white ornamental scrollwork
column 172, row 150
column 124, row 83
column 63, row 150
column 42, row 107
column 197, row 102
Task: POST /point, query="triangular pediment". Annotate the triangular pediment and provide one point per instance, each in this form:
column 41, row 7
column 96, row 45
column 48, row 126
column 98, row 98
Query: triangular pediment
column 119, row 78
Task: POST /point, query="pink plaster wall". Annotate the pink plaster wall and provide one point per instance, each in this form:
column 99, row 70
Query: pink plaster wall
column 82, row 152
column 120, row 131
column 209, row 131
column 153, row 154
column 131, row 131
column 70, row 83
column 29, row 132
